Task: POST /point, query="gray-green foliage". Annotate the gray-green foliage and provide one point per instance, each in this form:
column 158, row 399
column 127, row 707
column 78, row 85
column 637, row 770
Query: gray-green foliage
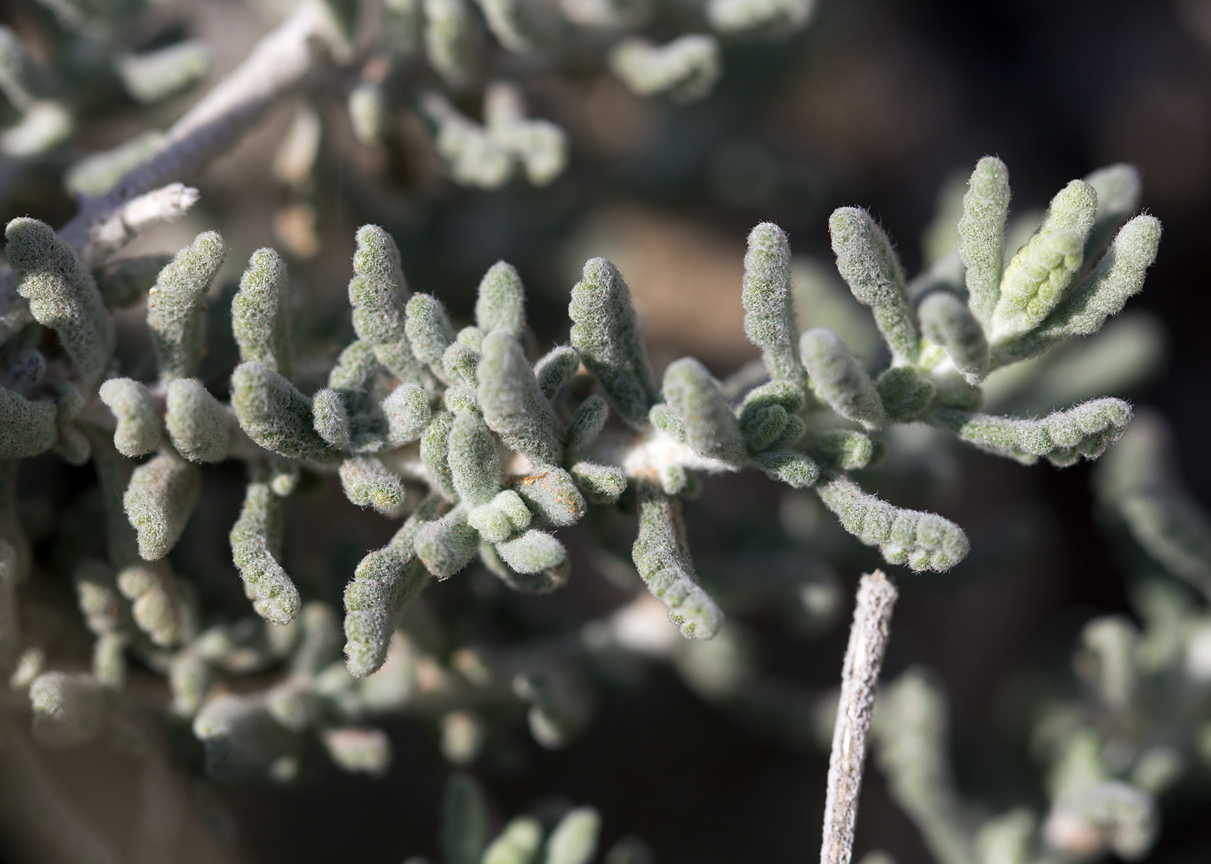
column 910, row 729
column 155, row 75
column 923, row 541
column 1040, row 297
column 259, row 316
column 606, row 333
column 840, row 379
column 256, row 540
column 485, row 454
column 769, row 320
column 139, row 425
column 1037, row 277
column 369, row 483
column 384, row 584
column 1062, row 438
column 501, row 303
column 62, row 295
column 686, row 68
column 175, row 306
column 513, row 404
column 1139, row 484
column 663, row 560
column 869, row 265
column 27, row 427
column 379, row 296
column 707, row 420
column 982, row 234
column 159, row 502
column 276, row 415
column 198, row 424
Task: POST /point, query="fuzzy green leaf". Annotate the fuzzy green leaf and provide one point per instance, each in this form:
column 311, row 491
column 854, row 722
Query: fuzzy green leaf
column 1061, row 438
column 356, row 367
column 606, row 334
column 905, row 393
column 514, row 407
column 176, row 307
column 474, row 464
column 982, row 234
column 159, row 501
column 199, row 425
column 501, row 302
column 840, row 379
column 769, row 321
column 946, row 321
column 276, row 415
column 797, row 470
column 330, row 418
column 379, row 295
column 552, row 495
column 923, row 541
column 447, row 544
column 435, row 454
column 139, row 427
column 368, row 483
column 869, row 265
column 556, row 368
column 841, row 449
column 408, row 413
column 62, row 295
column 259, row 317
column 459, row 365
column 586, row 424
column 429, row 330
column 383, row 586
column 662, row 558
column 532, row 552
column 501, row 518
column 256, row 541
column 710, row 426
column 1118, row 275
column 602, row 484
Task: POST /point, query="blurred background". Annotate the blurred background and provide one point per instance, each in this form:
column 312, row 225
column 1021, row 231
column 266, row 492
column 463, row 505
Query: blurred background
column 881, row 104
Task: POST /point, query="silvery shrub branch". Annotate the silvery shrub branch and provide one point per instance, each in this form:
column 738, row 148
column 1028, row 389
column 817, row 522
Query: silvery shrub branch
column 482, row 452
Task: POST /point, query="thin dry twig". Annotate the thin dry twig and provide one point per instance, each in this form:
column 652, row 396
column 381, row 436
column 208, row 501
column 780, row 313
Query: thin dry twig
column 863, row 659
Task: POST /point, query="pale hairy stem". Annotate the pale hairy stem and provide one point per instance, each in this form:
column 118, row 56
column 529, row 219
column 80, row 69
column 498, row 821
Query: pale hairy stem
column 275, row 66
column 863, row 659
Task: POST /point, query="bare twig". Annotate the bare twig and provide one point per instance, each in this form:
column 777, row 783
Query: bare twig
column 863, row 659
